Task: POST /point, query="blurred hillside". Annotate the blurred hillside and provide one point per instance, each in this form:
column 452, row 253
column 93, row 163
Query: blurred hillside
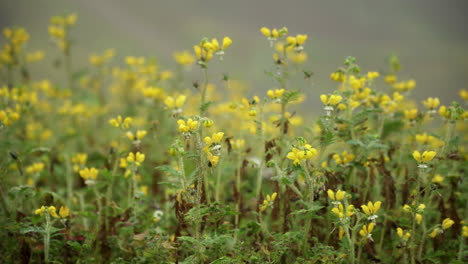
column 429, row 36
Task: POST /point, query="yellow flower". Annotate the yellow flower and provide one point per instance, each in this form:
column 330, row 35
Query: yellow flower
column 40, row 210
column 444, row 112
column 338, row 196
column 403, row 235
column 120, row 122
column 184, row 58
column 64, row 211
column 465, row 231
column 437, row 179
column 431, row 103
column 226, row 42
column 411, row 114
column 89, row 174
column 464, row 94
column 371, row 208
column 366, row 230
column 435, row 232
column 186, row 127
column 268, row 202
column 332, row 100
column 52, row 211
column 217, row 137
column 426, row 156
column 418, row 218
column 175, row 103
column 390, row 79
column 275, row 94
column 447, row 223
column 140, row 134
column 136, row 158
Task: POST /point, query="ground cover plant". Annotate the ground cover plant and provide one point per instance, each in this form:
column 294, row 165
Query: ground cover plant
column 122, row 163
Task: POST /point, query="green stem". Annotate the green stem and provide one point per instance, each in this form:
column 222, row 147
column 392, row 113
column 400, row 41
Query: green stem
column 47, row 238
column 203, row 94
column 238, row 187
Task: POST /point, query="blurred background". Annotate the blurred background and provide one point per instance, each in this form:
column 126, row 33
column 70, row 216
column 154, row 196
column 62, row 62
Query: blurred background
column 429, row 36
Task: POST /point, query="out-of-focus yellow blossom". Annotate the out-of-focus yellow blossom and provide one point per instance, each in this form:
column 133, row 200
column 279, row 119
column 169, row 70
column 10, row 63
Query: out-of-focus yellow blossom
column 268, row 202
column 437, row 179
column 338, row 76
column 465, row 231
column 404, row 86
column 213, row 159
column 426, row 139
column 390, row 78
column 40, row 210
column 79, row 160
column 135, row 158
column 35, row 56
column 345, row 158
column 444, row 112
column 134, row 61
column 402, row 234
column 184, row 58
column 447, row 223
column 64, row 211
column 98, row 60
column 435, row 232
column 464, row 94
column 121, row 123
column 139, row 135
column 35, row 168
column 89, row 174
column 411, row 114
column 426, row 156
column 275, row 94
column 237, row 144
column 52, row 211
column 372, row 75
column 431, row 103
column 330, row 100
column 175, row 103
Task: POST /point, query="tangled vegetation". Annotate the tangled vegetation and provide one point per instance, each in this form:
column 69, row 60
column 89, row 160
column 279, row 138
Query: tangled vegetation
column 122, row 163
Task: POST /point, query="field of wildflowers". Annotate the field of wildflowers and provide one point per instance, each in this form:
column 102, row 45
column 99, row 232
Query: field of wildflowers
column 121, row 163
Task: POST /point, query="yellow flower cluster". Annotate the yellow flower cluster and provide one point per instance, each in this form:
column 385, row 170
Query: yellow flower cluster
column 135, row 158
column 366, row 231
column 78, row 161
column 204, row 51
column 213, row 147
column 404, row 86
column 425, row 139
column 268, row 202
column 99, row 60
column 175, row 103
column 10, row 52
column 402, row 234
column 425, row 157
column 416, row 211
column 139, row 135
column 344, row 158
column 371, row 208
column 35, row 168
column 184, row 58
column 64, row 211
column 89, row 174
column 123, row 123
column 59, row 28
column 187, row 126
column 300, row 153
column 446, row 224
